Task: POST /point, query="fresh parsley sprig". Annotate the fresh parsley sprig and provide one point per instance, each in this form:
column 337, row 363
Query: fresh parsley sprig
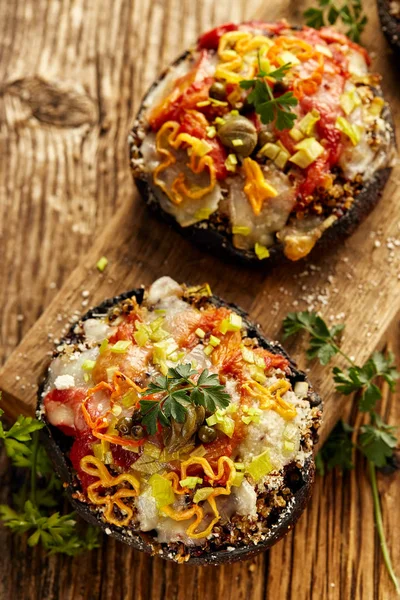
column 265, row 103
column 324, row 345
column 178, row 390
column 350, row 13
column 30, row 514
column 376, row 439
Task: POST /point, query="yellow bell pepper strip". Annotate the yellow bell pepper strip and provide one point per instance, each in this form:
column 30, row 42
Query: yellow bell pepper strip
column 195, row 510
column 256, row 188
column 93, row 466
column 168, row 136
column 271, row 398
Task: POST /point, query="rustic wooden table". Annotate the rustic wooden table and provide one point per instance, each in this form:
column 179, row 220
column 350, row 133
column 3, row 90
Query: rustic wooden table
column 69, row 89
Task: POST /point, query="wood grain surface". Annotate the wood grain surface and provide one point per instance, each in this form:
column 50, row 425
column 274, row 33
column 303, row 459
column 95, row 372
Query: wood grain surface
column 72, row 74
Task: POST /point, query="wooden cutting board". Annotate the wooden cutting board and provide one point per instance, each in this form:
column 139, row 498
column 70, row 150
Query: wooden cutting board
column 357, row 283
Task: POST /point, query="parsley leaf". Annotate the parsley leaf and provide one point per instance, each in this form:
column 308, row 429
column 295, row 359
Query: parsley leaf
column 271, row 108
column 57, row 533
column 350, row 13
column 377, row 440
column 322, row 339
column 178, row 390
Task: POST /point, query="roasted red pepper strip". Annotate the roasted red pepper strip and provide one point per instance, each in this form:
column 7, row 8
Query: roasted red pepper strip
column 210, row 39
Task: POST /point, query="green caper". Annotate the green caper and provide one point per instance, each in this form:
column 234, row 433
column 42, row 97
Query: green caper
column 239, row 134
column 265, row 136
column 218, row 90
column 207, row 434
column 124, row 426
column 137, row 432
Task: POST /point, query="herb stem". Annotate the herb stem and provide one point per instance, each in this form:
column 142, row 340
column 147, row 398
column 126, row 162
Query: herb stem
column 35, row 445
column 332, row 343
column 379, row 526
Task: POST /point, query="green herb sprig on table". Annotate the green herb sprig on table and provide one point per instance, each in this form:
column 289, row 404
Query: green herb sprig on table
column 265, row 103
column 177, row 391
column 40, row 492
column 376, row 439
column 350, row 13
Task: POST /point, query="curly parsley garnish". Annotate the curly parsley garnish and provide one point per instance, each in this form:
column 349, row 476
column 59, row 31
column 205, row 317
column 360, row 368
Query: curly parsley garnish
column 178, row 391
column 265, row 103
column 30, row 513
column 375, row 439
column 350, row 13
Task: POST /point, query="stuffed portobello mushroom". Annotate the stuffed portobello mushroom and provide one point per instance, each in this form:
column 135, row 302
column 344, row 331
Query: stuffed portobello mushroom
column 178, row 427
column 264, row 140
column 389, row 15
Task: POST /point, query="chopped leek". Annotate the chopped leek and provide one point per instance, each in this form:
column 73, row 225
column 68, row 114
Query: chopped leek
column 261, row 251
column 270, row 150
column 231, row 163
column 211, row 131
column 248, row 355
column 88, row 365
column 110, row 371
column 200, row 333
column 190, row 482
column 222, row 422
column 238, row 479
column 121, row 347
column 202, row 494
column 208, row 350
column 353, row 132
column 308, row 151
column 260, row 466
column 307, row 123
column 214, row 341
column 103, row 346
column 234, row 323
column 162, row 490
column 252, row 415
column 203, row 214
column 349, row 101
column 286, row 57
column 102, row 263
column 241, row 230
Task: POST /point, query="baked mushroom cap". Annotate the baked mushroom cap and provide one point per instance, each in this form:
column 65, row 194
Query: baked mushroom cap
column 389, row 15
column 178, row 427
column 213, row 165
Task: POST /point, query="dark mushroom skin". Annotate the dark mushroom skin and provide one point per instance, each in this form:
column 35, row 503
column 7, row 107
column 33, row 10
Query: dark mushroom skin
column 390, row 24
column 299, row 480
column 215, row 233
